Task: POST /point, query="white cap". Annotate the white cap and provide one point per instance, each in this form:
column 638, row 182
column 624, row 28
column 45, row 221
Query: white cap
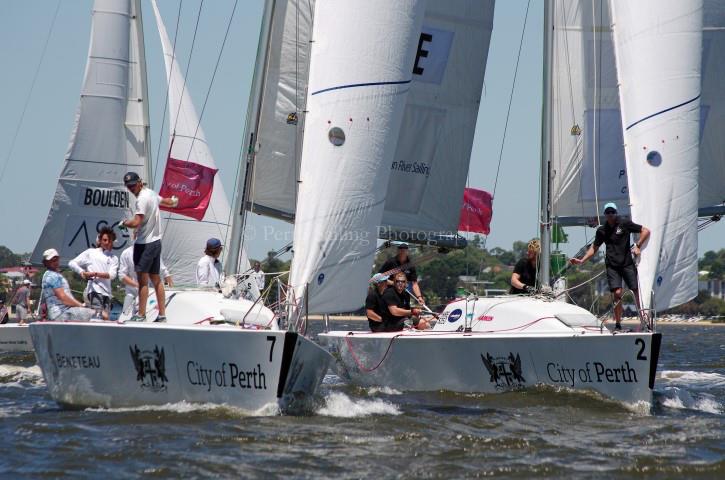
column 50, row 254
column 26, row 282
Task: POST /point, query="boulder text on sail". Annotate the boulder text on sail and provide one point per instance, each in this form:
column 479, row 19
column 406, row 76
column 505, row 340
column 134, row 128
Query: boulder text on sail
column 103, row 197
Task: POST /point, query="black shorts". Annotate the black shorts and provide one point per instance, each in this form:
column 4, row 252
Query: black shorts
column 616, row 274
column 99, row 301
column 147, row 257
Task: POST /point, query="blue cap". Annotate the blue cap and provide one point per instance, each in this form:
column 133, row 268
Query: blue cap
column 213, row 243
column 379, row 278
column 610, row 205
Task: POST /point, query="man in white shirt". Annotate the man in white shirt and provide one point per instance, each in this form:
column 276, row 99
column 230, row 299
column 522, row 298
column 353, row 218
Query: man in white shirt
column 147, row 244
column 99, row 266
column 127, row 275
column 209, row 268
column 258, row 276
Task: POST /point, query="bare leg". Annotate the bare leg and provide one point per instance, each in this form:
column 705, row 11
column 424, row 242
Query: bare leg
column 160, row 293
column 618, row 308
column 143, row 292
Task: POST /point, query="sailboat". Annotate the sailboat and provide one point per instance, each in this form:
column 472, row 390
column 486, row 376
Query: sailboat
column 506, row 343
column 249, row 363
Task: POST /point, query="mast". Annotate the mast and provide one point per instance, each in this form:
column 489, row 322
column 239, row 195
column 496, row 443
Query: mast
column 138, row 19
column 545, row 212
column 244, row 175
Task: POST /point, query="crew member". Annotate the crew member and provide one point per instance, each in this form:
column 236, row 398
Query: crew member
column 209, row 268
column 99, row 266
column 21, row 302
column 374, row 303
column 523, row 280
column 397, row 307
column 402, row 263
column 60, row 304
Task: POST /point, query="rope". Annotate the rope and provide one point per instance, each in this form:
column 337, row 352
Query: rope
column 30, row 93
column 357, row 361
column 166, row 96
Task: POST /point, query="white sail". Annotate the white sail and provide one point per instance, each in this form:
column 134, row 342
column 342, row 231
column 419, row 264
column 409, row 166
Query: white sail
column 429, row 171
column 658, row 51
column 109, row 138
column 430, row 166
column 360, row 74
column 184, row 239
column 587, row 143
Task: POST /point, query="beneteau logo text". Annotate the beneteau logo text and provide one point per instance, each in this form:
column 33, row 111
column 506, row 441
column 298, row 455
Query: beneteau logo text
column 150, row 368
column 505, row 372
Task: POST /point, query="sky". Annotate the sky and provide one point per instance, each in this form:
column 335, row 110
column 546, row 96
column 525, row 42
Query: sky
column 37, row 117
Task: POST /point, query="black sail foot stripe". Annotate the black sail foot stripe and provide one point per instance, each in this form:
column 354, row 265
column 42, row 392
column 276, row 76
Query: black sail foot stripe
column 654, row 358
column 290, row 340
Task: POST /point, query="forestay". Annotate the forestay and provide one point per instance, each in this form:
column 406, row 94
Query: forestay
column 658, row 45
column 109, row 138
column 184, row 238
column 360, row 74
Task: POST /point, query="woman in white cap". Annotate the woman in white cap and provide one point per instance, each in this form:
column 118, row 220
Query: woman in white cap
column 62, row 307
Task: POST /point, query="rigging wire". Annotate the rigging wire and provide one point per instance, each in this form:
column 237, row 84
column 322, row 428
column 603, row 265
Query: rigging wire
column 30, row 92
column 166, row 94
column 508, row 112
column 188, row 65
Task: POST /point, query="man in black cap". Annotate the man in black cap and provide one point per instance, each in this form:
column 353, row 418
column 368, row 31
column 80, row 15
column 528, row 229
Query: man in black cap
column 209, row 268
column 147, row 242
column 615, row 233
column 402, row 263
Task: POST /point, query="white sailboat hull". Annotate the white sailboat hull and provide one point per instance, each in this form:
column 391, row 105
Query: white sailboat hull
column 619, row 366
column 127, row 365
column 15, row 338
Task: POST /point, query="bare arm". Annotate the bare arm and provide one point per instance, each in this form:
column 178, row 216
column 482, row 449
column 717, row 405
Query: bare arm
column 67, row 300
column 590, row 253
column 516, row 281
column 400, row 312
column 126, row 280
column 643, row 236
column 373, row 316
column 133, row 222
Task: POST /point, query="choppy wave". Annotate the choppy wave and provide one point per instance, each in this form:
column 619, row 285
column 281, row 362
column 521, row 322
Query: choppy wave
column 680, row 398
column 340, row 405
column 269, row 410
column 383, row 390
column 692, row 379
column 16, row 375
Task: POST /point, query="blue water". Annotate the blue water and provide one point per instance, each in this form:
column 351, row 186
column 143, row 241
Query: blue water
column 381, row 433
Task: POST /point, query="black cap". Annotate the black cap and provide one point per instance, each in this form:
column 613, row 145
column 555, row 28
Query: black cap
column 131, row 178
column 403, row 246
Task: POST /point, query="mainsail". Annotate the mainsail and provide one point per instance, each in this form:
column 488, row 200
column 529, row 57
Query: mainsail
column 109, row 138
column 658, row 52
column 588, row 163
column 430, row 165
column 360, row 75
column 184, row 238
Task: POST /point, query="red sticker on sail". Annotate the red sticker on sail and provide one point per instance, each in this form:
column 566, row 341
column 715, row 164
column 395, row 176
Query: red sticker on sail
column 192, row 183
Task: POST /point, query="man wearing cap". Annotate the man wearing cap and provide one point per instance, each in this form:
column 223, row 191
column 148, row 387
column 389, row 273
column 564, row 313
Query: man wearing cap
column 396, row 307
column 59, row 301
column 21, row 302
column 209, row 268
column 99, row 266
column 147, row 243
column 402, row 263
column 615, row 233
column 374, row 303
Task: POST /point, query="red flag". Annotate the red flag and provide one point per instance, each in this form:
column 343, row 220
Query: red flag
column 476, row 211
column 192, row 183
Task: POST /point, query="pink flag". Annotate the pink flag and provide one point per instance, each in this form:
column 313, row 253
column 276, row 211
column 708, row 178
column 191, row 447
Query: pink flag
column 192, row 183
column 476, row 211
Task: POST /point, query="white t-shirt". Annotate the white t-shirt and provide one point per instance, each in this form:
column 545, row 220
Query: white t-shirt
column 147, row 204
column 208, row 271
column 96, row 260
column 125, row 269
column 259, row 278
